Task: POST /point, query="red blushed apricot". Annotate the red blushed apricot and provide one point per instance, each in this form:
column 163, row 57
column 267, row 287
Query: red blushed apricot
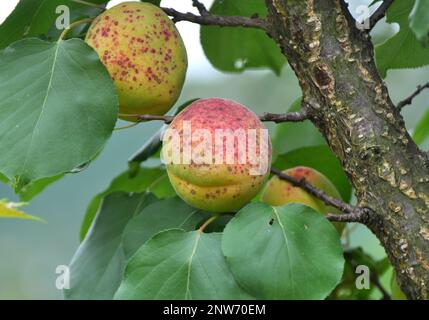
column 132, row 38
column 221, row 176
column 279, row 192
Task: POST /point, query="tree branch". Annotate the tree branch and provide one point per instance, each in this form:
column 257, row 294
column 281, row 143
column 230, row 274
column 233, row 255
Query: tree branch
column 286, row 117
column 299, row 116
column 410, row 99
column 380, row 13
column 201, row 7
column 208, row 19
column 352, row 213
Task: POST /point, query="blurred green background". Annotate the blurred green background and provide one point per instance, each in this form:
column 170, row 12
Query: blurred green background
column 31, row 251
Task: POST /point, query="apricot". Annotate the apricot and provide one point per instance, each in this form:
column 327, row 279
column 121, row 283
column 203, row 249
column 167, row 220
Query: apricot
column 144, row 54
column 278, row 192
column 223, row 155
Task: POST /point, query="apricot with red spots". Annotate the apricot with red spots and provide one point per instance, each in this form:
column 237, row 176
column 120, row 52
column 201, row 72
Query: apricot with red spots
column 144, row 54
column 278, row 192
column 217, row 154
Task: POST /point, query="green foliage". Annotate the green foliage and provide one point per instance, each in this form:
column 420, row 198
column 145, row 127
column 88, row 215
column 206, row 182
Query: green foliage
column 288, row 252
column 153, row 180
column 421, row 132
column 33, row 18
column 419, row 20
column 403, row 50
column 237, row 49
column 96, row 269
column 40, row 108
column 123, row 224
column 31, row 190
column 323, row 160
column 175, row 264
column 347, row 289
column 161, row 215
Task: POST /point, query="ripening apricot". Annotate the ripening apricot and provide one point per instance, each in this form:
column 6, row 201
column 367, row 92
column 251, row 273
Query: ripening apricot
column 223, row 155
column 144, row 54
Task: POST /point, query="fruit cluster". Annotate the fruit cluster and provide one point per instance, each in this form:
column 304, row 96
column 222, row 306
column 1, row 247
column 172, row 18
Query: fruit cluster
column 146, row 58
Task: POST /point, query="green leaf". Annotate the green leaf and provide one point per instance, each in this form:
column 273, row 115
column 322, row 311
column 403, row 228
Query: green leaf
column 288, row 252
column 159, row 216
column 97, row 267
column 3, row 179
column 36, row 17
column 419, row 20
column 323, row 160
column 46, row 128
column 155, row 2
column 290, row 136
column 9, row 210
column 153, row 180
column 237, row 49
column 175, row 264
column 421, row 132
column 31, row 190
column 403, row 50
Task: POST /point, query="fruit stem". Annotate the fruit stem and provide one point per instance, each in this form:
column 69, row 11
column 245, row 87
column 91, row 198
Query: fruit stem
column 210, row 220
column 72, row 25
column 127, row 126
column 90, row 4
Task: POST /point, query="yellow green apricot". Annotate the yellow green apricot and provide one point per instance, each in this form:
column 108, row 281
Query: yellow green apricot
column 278, row 192
column 144, row 54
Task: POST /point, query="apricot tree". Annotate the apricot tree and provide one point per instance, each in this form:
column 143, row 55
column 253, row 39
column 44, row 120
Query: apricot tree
column 60, row 100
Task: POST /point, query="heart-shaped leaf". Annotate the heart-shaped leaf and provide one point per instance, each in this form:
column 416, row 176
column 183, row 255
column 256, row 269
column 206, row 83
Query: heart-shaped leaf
column 175, row 264
column 46, row 128
column 288, row 252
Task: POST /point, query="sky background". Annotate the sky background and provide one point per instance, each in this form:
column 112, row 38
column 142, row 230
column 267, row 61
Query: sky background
column 30, row 252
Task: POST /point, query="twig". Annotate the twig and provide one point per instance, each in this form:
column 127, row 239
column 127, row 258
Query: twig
column 201, row 7
column 410, row 99
column 266, row 117
column 286, row 117
column 379, row 13
column 352, row 213
column 215, row 20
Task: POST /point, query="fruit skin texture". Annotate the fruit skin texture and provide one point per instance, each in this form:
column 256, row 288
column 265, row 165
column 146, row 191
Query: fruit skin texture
column 144, row 54
column 279, row 192
column 217, row 187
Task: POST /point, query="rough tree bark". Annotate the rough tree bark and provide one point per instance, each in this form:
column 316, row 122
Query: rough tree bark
column 334, row 62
